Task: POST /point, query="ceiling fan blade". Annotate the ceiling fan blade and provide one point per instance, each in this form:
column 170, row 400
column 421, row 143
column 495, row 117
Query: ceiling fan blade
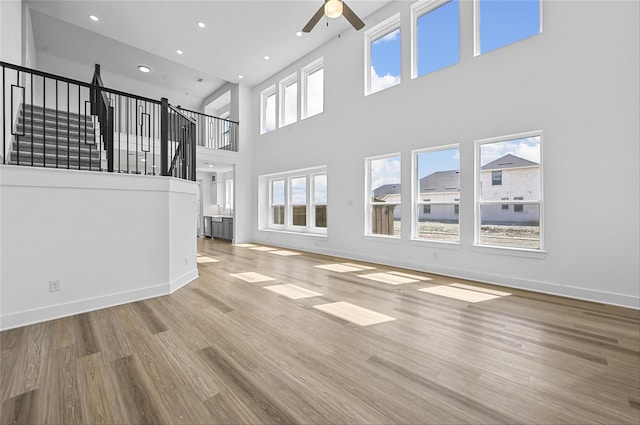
column 314, row 20
column 352, row 17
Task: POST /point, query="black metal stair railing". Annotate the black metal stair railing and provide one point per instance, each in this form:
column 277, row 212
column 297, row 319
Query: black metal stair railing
column 53, row 121
column 214, row 132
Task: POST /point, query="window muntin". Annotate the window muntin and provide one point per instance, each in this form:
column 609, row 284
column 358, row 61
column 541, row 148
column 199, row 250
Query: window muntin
column 436, row 35
column 503, row 22
column 268, row 110
column 519, row 160
column 289, row 100
column 384, row 200
column 319, row 201
column 313, row 89
column 437, row 175
column 297, row 201
column 383, row 56
column 298, row 204
column 277, row 202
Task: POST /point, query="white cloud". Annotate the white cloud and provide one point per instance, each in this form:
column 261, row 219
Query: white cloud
column 382, row 82
column 385, row 171
column 392, row 36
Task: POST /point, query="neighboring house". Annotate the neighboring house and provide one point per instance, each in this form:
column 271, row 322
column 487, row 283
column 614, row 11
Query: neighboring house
column 441, row 186
column 389, row 193
column 510, row 178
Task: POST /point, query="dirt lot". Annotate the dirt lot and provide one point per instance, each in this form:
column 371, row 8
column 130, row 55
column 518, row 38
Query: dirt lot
column 507, row 236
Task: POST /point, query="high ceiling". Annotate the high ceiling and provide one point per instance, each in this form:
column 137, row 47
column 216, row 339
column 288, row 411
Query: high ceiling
column 237, row 36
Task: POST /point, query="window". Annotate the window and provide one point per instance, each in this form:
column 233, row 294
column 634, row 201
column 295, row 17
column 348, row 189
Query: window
column 382, row 55
column 518, row 158
column 313, row 89
column 296, row 200
column 319, row 209
column 436, row 35
column 518, row 207
column 496, row 178
column 277, row 202
column 289, row 100
column 383, row 196
column 268, row 110
column 437, row 175
column 502, row 22
column 228, row 193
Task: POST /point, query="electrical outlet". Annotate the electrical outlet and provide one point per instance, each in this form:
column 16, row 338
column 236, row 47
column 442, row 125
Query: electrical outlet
column 55, row 286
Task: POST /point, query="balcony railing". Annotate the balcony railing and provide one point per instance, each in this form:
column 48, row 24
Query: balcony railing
column 54, row 121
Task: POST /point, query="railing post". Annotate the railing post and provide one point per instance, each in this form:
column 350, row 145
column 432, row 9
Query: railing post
column 108, row 138
column 164, row 136
column 192, row 149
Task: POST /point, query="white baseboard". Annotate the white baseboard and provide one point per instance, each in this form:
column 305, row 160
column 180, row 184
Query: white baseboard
column 29, row 317
column 611, row 298
column 181, row 281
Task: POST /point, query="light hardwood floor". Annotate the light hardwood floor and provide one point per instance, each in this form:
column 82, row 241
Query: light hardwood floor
column 224, row 350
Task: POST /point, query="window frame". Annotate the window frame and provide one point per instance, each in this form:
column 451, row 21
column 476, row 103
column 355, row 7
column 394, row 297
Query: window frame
column 271, row 204
column 478, row 188
column 380, row 30
column 305, row 72
column 282, row 87
column 418, row 10
column 312, row 200
column 417, row 202
column 264, row 95
column 369, row 204
column 476, row 29
column 266, row 188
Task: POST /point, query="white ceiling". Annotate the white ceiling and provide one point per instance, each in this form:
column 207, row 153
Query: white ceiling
column 237, row 35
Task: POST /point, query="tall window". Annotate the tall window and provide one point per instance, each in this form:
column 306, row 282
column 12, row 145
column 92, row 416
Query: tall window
column 382, row 55
column 289, row 100
column 319, row 207
column 268, row 110
column 296, row 200
column 502, row 22
column 436, row 35
column 298, row 204
column 384, row 196
column 277, row 202
column 437, row 175
column 313, row 88
column 518, row 158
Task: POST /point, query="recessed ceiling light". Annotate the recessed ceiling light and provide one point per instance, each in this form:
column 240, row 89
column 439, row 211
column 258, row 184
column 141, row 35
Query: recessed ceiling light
column 144, row 69
column 143, row 160
column 201, row 24
column 266, row 57
column 179, row 52
column 241, row 76
column 94, row 18
column 211, row 165
column 299, row 33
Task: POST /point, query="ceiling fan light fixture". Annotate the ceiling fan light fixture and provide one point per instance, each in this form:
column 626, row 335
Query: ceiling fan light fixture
column 333, row 8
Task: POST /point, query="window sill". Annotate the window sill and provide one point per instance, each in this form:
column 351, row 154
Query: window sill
column 295, row 232
column 383, row 237
column 439, row 244
column 516, row 252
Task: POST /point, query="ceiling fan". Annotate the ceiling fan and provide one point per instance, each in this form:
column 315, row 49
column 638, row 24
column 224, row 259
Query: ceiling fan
column 333, row 9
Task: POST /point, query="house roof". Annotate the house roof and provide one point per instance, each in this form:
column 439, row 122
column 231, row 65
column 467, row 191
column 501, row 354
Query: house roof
column 441, row 181
column 508, row 161
column 386, row 189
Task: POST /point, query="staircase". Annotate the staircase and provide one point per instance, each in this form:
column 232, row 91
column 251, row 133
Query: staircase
column 57, row 141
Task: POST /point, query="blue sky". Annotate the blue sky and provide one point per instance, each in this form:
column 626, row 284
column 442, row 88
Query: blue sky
column 444, row 160
column 502, row 22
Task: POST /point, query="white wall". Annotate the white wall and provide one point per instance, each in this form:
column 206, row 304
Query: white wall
column 109, row 238
column 577, row 81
